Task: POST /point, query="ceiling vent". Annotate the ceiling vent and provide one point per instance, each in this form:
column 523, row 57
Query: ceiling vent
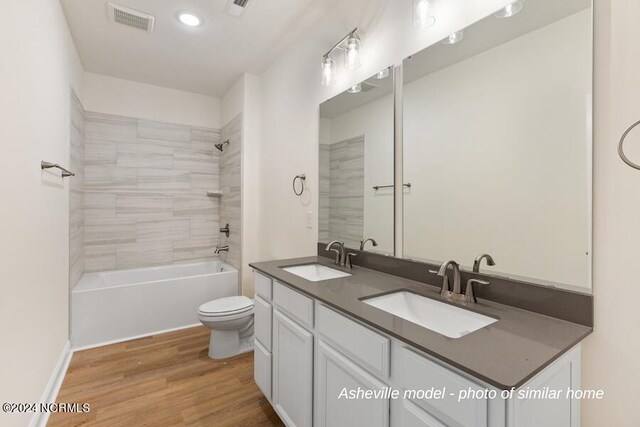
column 130, row 18
column 236, row 7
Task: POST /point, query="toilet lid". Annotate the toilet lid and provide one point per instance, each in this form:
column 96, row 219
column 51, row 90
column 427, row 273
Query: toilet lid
column 226, row 306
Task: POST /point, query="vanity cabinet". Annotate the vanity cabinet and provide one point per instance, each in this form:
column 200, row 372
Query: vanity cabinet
column 314, row 353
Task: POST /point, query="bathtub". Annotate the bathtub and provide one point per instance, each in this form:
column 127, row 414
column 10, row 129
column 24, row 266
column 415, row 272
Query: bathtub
column 112, row 306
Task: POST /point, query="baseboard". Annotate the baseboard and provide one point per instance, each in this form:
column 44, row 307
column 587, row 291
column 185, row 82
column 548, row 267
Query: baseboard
column 50, row 394
column 135, row 337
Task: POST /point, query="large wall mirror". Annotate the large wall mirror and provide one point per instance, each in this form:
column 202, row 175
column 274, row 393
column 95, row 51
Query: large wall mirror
column 356, row 165
column 496, row 148
column 497, row 145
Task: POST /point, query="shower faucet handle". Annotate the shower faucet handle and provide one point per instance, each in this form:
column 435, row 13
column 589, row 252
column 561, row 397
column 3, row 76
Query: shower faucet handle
column 225, row 230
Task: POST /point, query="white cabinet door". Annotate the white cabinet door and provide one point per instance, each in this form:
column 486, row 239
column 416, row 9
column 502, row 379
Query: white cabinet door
column 337, row 375
column 292, row 353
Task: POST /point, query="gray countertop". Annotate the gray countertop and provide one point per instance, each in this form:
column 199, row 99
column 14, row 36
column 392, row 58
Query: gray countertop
column 504, row 354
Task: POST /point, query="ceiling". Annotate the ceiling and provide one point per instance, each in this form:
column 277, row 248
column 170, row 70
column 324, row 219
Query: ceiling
column 206, row 59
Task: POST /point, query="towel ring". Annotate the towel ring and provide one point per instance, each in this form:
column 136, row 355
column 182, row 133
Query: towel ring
column 302, row 178
column 621, row 147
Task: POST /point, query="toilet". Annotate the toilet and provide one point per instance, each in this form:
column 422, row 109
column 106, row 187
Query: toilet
column 231, row 322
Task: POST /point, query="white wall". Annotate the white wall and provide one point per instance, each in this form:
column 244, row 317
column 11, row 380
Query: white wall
column 610, row 355
column 291, row 94
column 39, row 63
column 104, row 94
column 244, row 97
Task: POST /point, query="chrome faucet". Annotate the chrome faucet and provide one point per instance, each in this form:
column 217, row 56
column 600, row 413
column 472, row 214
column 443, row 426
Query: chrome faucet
column 219, row 249
column 456, row 293
column 479, row 258
column 364, row 242
column 341, row 256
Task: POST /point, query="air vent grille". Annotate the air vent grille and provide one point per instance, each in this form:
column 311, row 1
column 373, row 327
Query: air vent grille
column 236, row 8
column 130, row 18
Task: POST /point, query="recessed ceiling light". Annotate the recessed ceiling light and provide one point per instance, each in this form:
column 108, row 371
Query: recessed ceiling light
column 189, row 19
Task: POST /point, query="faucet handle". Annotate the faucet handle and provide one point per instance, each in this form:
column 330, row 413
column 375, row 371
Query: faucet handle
column 348, row 262
column 468, row 293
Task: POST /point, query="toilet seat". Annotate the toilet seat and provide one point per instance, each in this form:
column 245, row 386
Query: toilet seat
column 226, row 307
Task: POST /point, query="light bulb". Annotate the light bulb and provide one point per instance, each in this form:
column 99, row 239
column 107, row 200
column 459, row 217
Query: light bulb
column 454, row 37
column 327, row 71
column 511, row 9
column 352, row 53
column 382, row 74
column 355, row 88
column 422, row 17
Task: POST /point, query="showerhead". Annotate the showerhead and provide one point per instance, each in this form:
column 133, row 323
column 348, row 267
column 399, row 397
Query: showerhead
column 221, row 145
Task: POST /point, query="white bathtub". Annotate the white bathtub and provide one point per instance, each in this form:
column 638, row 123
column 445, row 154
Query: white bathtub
column 114, row 306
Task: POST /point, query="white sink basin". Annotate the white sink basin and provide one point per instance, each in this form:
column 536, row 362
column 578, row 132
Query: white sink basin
column 445, row 319
column 315, row 272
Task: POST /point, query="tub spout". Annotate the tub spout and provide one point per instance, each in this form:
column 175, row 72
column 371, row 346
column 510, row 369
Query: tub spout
column 219, row 249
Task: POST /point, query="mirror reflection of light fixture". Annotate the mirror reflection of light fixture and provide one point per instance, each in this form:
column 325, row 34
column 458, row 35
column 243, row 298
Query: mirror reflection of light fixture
column 423, row 14
column 350, row 44
column 355, row 88
column 511, row 9
column 382, row 74
column 454, row 38
column 328, row 66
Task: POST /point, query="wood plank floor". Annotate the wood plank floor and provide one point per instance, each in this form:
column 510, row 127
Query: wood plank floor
column 163, row 380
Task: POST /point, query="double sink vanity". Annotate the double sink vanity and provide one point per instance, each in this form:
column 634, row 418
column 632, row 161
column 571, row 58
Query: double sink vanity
column 323, row 331
column 476, row 149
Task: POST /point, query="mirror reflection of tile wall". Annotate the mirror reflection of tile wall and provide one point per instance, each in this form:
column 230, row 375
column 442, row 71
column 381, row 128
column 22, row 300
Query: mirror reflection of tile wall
column 356, row 154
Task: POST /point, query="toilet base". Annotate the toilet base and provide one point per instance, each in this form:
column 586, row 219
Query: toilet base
column 223, row 344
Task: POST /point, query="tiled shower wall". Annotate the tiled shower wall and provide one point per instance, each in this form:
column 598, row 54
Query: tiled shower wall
column 343, row 186
column 76, row 190
column 230, row 183
column 145, row 199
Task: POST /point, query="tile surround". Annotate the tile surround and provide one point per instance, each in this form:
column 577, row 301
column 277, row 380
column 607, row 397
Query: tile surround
column 76, row 189
column 231, row 184
column 145, row 190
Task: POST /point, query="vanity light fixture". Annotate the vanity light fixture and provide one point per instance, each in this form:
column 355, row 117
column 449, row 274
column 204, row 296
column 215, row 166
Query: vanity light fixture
column 189, row 19
column 423, row 14
column 328, row 71
column 352, row 52
column 350, row 44
column 355, row 88
column 382, row 74
column 454, row 38
column 511, row 9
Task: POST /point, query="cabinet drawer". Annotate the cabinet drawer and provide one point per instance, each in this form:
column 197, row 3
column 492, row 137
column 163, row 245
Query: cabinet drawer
column 417, row 372
column 262, row 284
column 262, row 317
column 296, row 305
column 361, row 344
column 262, row 369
